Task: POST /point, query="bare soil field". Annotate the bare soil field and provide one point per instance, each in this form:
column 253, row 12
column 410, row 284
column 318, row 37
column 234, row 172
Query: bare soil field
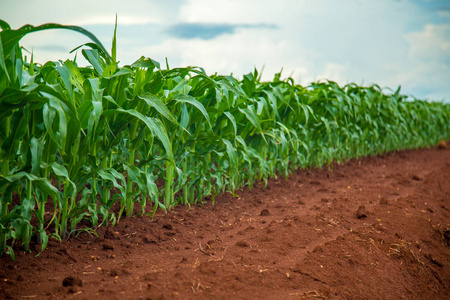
column 374, row 228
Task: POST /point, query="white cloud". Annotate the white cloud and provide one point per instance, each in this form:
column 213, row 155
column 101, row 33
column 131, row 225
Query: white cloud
column 108, row 19
column 428, row 66
column 312, row 36
column 432, row 43
column 22, row 12
column 444, row 14
column 384, row 42
column 234, row 11
column 336, row 72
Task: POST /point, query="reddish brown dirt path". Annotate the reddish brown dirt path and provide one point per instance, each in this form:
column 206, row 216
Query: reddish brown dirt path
column 376, row 228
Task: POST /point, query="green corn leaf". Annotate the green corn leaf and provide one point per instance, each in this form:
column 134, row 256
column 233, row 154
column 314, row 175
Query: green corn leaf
column 231, row 151
column 10, row 144
column 134, row 175
column 76, row 77
column 61, row 171
column 2, row 60
column 36, row 154
column 123, row 71
column 113, row 176
column 250, row 114
column 65, row 76
column 4, row 25
column 10, row 252
column 155, row 126
column 184, row 116
column 62, row 126
column 26, row 207
column 191, row 100
column 157, row 104
column 94, row 58
column 114, row 42
column 11, row 37
column 232, row 120
column 43, row 183
column 44, row 238
column 146, row 63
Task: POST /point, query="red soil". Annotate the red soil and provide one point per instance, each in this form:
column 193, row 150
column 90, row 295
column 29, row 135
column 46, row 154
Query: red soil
column 375, row 228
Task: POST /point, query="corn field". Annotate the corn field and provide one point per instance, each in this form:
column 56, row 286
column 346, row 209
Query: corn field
column 90, row 145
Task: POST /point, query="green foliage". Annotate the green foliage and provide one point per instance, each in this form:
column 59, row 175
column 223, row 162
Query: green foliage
column 76, row 142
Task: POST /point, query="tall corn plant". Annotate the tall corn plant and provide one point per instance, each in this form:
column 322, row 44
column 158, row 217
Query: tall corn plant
column 95, row 138
column 35, row 113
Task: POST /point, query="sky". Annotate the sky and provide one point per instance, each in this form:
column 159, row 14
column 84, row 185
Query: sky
column 384, row 42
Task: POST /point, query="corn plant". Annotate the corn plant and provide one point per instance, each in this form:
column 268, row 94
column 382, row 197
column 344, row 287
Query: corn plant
column 93, row 143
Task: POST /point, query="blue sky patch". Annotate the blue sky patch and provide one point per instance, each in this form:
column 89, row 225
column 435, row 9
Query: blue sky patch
column 206, row 31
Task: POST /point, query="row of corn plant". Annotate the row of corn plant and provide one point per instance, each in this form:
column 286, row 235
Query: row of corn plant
column 101, row 142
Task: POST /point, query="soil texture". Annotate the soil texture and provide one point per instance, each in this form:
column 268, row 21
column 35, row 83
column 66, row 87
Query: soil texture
column 374, row 228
